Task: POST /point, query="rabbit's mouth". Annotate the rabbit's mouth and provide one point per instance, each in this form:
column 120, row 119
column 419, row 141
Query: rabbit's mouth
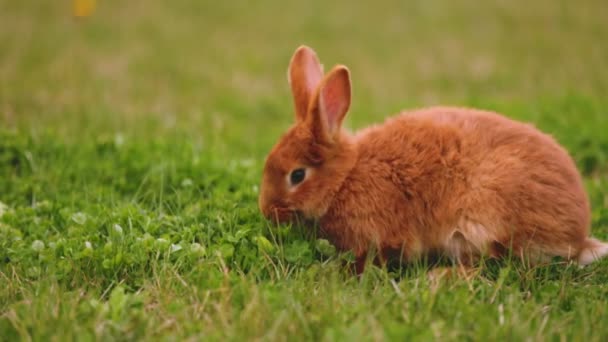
column 279, row 214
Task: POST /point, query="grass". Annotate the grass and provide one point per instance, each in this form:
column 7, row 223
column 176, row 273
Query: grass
column 132, row 143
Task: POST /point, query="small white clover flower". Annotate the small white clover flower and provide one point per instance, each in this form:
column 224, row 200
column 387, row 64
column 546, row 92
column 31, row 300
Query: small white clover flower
column 196, row 247
column 38, row 245
column 175, row 248
column 79, row 218
column 117, row 229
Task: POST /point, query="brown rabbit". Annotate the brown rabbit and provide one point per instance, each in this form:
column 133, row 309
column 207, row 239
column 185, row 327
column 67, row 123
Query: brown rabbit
column 459, row 182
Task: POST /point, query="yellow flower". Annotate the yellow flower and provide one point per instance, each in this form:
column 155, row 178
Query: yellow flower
column 83, row 8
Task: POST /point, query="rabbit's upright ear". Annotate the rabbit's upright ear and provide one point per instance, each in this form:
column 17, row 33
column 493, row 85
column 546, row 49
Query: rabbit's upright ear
column 331, row 104
column 305, row 73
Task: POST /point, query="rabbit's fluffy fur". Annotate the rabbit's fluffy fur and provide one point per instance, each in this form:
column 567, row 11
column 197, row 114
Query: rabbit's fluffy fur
column 453, row 181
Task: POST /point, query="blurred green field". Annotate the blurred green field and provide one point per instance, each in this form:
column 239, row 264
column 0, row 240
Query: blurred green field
column 132, row 143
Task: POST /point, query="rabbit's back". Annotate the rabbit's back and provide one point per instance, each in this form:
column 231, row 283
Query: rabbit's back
column 475, row 181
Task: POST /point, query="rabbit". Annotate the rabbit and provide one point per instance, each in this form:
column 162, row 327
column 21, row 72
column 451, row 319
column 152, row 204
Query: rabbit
column 459, row 182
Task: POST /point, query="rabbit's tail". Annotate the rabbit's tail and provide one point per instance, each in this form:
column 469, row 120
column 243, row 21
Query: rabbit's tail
column 593, row 250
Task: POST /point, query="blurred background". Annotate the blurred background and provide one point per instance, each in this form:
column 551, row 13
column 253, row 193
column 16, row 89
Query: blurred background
column 217, row 70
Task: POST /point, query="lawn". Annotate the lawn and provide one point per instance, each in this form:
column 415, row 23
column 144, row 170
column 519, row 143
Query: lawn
column 132, row 144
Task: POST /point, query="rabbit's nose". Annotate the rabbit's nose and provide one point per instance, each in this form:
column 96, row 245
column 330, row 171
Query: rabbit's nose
column 266, row 204
column 274, row 210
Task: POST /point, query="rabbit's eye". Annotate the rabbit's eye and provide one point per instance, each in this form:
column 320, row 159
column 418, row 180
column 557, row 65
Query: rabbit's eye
column 297, row 176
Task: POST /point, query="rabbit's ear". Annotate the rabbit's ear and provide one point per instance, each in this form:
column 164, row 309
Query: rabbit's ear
column 332, row 103
column 305, row 73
